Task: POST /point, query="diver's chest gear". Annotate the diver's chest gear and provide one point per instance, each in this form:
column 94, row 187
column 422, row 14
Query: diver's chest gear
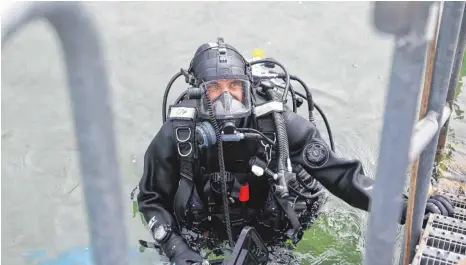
column 198, row 200
column 272, row 149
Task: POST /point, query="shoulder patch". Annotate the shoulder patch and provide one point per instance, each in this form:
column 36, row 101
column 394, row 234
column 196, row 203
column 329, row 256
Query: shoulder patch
column 315, row 154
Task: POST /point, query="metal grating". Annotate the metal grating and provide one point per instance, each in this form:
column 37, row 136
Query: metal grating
column 447, row 223
column 443, row 241
column 460, row 214
column 435, row 256
column 449, row 241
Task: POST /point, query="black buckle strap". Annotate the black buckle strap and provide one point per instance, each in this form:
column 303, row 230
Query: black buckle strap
column 184, row 134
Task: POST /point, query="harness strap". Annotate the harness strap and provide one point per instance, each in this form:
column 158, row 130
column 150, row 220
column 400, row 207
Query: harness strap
column 183, row 121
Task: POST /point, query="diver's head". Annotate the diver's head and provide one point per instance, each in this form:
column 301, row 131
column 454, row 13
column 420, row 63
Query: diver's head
column 225, row 76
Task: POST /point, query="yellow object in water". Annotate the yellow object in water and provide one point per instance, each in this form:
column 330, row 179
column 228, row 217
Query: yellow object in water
column 258, row 53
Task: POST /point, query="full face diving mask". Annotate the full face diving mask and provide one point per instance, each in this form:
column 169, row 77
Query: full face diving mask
column 229, row 99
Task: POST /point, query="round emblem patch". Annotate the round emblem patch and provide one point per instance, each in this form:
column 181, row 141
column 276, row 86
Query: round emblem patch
column 316, row 154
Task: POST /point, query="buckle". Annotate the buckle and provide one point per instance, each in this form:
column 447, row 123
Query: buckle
column 185, row 148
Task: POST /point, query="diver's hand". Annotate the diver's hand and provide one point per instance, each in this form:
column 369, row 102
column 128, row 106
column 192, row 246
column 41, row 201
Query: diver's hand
column 436, row 203
column 179, row 253
column 439, row 204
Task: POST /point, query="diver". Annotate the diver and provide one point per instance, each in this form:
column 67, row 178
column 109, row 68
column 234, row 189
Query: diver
column 232, row 154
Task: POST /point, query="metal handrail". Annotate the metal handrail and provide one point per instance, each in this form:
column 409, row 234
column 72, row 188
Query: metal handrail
column 449, row 31
column 89, row 93
column 407, row 21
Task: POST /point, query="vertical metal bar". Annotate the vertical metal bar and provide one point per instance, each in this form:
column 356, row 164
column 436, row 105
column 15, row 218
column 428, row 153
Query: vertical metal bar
column 404, row 259
column 457, row 62
column 89, row 93
column 407, row 21
column 446, row 46
column 453, row 84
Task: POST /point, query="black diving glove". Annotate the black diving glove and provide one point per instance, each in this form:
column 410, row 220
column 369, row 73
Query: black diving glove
column 179, row 253
column 437, row 204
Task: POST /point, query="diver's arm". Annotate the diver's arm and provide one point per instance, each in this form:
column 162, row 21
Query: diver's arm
column 160, row 179
column 342, row 177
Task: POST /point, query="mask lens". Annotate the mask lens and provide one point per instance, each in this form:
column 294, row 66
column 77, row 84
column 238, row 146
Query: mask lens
column 229, row 97
column 234, row 86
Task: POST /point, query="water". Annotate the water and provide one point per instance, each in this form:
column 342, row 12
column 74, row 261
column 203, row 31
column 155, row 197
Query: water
column 331, row 46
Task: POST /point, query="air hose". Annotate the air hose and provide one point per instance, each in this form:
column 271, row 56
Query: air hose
column 282, row 136
column 282, row 141
column 311, row 106
column 165, row 95
column 310, row 102
column 221, row 163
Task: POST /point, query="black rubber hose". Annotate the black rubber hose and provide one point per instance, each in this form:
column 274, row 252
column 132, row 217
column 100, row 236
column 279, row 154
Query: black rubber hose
column 221, row 164
column 258, row 132
column 329, row 130
column 310, row 101
column 282, row 139
column 293, row 99
column 283, row 151
column 308, row 97
column 327, row 124
column 165, row 95
column 181, row 97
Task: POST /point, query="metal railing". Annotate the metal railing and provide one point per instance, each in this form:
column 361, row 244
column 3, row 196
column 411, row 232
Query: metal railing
column 400, row 144
column 408, row 22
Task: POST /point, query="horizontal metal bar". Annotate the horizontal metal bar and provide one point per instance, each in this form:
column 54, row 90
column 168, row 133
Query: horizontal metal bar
column 446, row 114
column 93, row 120
column 425, row 130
